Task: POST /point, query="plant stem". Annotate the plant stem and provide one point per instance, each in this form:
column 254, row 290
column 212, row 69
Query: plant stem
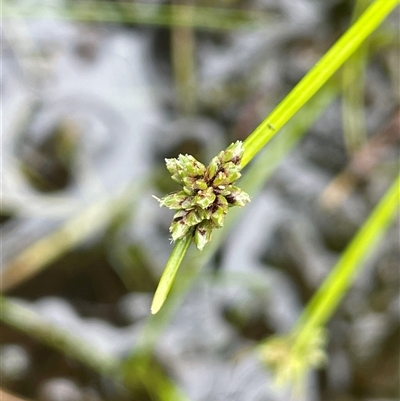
column 214, row 18
column 169, row 273
column 251, row 182
column 46, row 250
column 285, row 110
column 353, row 84
column 183, row 60
column 31, row 323
column 25, row 320
column 330, row 293
column 317, row 76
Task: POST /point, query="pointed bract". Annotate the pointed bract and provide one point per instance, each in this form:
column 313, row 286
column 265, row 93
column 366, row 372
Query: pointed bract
column 220, row 179
column 202, row 234
column 221, row 201
column 178, row 229
column 177, row 178
column 212, row 169
column 218, row 217
column 174, row 200
column 200, row 184
column 233, row 153
column 188, row 203
column 237, row 197
column 172, row 166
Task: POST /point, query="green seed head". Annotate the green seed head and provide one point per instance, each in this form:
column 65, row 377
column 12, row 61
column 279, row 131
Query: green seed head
column 207, row 193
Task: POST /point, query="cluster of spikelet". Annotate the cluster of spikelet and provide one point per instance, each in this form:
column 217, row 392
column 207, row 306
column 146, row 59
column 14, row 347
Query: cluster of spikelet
column 207, row 193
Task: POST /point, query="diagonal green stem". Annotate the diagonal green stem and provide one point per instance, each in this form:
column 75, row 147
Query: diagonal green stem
column 317, row 76
column 251, row 182
column 32, row 324
column 289, row 106
column 169, row 273
column 330, row 293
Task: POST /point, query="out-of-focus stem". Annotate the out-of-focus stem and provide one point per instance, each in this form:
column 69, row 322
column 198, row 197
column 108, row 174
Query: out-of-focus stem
column 31, row 323
column 183, row 55
column 330, row 293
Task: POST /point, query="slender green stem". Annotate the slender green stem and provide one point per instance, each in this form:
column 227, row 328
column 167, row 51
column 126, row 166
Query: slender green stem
column 290, row 356
column 251, row 182
column 183, row 61
column 49, row 248
column 25, row 320
column 353, row 84
column 330, row 293
column 31, row 323
column 169, row 273
column 292, row 103
column 215, row 18
column 317, row 76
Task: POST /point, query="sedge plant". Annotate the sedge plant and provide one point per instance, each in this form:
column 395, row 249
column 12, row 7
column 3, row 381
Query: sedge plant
column 208, row 192
column 290, row 356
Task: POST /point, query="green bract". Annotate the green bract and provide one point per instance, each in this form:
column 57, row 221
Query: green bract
column 207, row 193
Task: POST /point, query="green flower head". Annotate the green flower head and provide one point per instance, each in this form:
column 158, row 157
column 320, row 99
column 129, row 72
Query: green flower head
column 289, row 360
column 207, row 193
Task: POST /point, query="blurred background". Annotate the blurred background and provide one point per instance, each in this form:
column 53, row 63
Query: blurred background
column 95, row 94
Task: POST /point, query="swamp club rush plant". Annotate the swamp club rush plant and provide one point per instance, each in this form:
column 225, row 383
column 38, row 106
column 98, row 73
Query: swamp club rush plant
column 207, row 193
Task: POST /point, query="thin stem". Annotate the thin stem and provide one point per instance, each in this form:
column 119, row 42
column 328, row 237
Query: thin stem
column 169, row 273
column 183, row 60
column 215, row 18
column 299, row 96
column 353, row 84
column 31, row 323
column 317, row 76
column 49, row 248
column 25, row 320
column 330, row 293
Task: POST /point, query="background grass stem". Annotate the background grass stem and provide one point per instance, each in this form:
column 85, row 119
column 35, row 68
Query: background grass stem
column 330, row 293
